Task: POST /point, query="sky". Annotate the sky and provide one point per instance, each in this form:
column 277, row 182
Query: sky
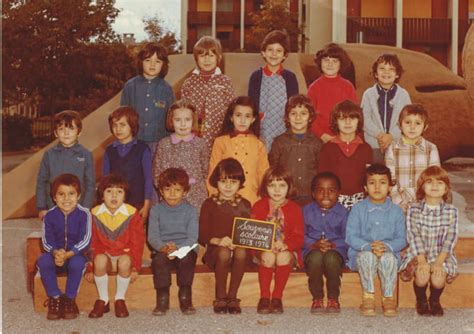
column 132, row 12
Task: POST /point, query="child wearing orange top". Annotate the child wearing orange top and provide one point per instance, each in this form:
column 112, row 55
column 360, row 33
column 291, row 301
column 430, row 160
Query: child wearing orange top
column 239, row 140
column 289, row 238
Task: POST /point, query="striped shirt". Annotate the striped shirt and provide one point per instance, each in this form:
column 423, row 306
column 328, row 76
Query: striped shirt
column 431, row 231
column 406, row 163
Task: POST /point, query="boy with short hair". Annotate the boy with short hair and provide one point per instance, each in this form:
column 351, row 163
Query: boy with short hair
column 173, row 225
column 297, row 150
column 410, row 155
column 131, row 158
column 382, row 104
column 118, row 238
column 66, row 237
column 325, row 250
column 271, row 86
column 68, row 156
column 376, row 233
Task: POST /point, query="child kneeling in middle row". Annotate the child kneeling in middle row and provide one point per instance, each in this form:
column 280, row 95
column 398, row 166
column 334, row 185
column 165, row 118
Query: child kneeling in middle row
column 276, row 207
column 118, row 238
column 173, row 224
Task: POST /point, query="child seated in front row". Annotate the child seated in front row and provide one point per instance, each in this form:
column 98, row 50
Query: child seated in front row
column 376, row 234
column 68, row 156
column 215, row 231
column 239, row 140
column 410, row 155
column 298, row 148
column 432, row 232
column 382, row 104
column 130, row 158
column 173, row 224
column 66, row 237
column 346, row 155
column 118, row 239
column 276, row 207
column 325, row 249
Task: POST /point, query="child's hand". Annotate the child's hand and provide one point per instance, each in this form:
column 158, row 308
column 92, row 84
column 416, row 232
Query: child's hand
column 133, row 275
column 437, row 270
column 384, row 140
column 279, row 246
column 171, row 247
column 226, row 242
column 326, row 245
column 89, row 277
column 42, row 213
column 378, row 248
column 327, row 138
column 145, row 210
column 423, row 269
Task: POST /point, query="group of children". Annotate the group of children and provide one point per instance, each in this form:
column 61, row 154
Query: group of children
column 313, row 165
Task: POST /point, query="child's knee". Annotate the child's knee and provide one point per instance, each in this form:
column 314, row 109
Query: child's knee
column 332, row 259
column 223, row 254
column 284, row 258
column 314, row 259
column 76, row 263
column 268, row 259
column 438, row 282
column 124, row 262
column 100, row 262
column 388, row 258
column 45, row 261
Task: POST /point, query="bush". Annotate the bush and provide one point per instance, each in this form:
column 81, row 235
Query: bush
column 17, row 133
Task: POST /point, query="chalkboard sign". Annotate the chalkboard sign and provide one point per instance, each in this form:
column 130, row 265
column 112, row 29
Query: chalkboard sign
column 252, row 233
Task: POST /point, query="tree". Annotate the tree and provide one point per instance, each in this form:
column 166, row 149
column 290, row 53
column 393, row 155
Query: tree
column 274, row 15
column 60, row 50
column 156, row 33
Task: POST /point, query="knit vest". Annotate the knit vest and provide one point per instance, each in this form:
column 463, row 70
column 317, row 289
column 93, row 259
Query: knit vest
column 131, row 169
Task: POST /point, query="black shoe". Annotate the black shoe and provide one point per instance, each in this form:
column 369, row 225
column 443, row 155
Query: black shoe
column 276, row 306
column 220, row 306
column 436, row 309
column 233, row 306
column 70, row 310
column 54, row 308
column 162, row 301
column 185, row 300
column 423, row 308
column 263, row 306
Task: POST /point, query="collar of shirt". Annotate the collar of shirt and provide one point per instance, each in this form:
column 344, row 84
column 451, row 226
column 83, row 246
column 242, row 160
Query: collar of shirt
column 60, row 147
column 216, row 72
column 175, row 139
column 154, row 80
column 334, row 210
column 235, row 133
column 426, row 210
column 371, row 207
column 419, row 144
column 348, row 148
column 117, row 143
column 122, row 209
column 266, row 71
column 381, row 90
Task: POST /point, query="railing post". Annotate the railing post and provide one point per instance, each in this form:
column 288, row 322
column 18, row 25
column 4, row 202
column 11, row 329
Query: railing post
column 399, row 24
column 454, row 45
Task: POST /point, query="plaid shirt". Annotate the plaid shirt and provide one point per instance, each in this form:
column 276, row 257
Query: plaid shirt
column 406, row 163
column 432, row 231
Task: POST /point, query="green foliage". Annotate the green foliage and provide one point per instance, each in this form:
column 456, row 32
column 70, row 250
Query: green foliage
column 61, row 51
column 16, row 133
column 274, row 15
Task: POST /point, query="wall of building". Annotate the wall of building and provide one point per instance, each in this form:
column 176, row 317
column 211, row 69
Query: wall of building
column 377, row 8
column 418, row 8
column 204, row 6
column 319, row 31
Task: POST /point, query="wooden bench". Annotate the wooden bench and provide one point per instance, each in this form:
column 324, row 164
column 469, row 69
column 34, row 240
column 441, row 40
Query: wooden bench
column 141, row 294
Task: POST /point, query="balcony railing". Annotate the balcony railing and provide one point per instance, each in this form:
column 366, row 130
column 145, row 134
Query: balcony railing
column 381, row 30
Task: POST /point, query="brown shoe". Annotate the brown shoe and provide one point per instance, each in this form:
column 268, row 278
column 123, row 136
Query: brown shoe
column 367, row 308
column 120, row 309
column 233, row 306
column 54, row 308
column 389, row 305
column 263, row 306
column 100, row 307
column 276, row 306
column 70, row 310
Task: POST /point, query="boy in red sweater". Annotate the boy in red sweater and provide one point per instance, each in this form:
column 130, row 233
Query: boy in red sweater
column 330, row 88
column 118, row 238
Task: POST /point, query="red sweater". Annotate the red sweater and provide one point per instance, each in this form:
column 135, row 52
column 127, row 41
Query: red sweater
column 130, row 240
column 294, row 227
column 325, row 93
column 350, row 170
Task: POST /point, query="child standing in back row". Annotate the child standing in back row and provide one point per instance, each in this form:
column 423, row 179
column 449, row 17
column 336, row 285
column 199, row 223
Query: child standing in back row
column 382, row 104
column 329, row 89
column 410, row 155
column 432, row 233
column 272, row 85
column 239, row 140
column 149, row 94
column 207, row 89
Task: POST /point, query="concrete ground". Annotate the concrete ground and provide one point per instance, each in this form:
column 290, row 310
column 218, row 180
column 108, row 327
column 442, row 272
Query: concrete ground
column 18, row 315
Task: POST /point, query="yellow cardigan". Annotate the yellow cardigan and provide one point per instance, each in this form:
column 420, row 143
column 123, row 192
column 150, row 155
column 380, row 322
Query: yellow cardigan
column 251, row 154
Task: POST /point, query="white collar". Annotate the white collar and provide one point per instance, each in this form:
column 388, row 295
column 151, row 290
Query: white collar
column 216, row 72
column 122, row 209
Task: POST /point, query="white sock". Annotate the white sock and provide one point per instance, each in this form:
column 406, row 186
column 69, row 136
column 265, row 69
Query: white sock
column 102, row 284
column 122, row 286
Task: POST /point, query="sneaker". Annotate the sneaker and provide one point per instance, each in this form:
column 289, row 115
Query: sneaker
column 423, row 308
column 333, row 306
column 70, row 308
column 317, row 306
column 276, row 306
column 436, row 309
column 367, row 308
column 263, row 306
column 54, row 308
column 389, row 305
column 233, row 306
